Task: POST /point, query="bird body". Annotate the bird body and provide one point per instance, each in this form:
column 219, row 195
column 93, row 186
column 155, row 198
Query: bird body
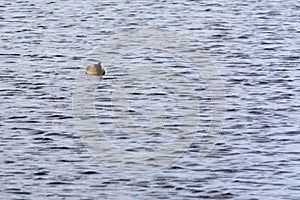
column 95, row 69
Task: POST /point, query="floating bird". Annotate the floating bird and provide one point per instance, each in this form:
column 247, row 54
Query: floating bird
column 95, row 69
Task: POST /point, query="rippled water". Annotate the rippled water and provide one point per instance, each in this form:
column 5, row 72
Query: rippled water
column 255, row 46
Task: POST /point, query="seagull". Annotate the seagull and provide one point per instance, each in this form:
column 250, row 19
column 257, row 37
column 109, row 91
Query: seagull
column 96, row 69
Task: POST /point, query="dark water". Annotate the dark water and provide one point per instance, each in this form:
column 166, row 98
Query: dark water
column 255, row 46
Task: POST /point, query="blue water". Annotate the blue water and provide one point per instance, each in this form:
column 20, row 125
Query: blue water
column 255, row 46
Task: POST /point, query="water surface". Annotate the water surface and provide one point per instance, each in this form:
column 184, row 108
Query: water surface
column 255, row 46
